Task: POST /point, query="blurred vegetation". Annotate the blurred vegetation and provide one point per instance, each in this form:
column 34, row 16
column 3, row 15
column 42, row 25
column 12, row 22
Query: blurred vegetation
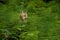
column 43, row 20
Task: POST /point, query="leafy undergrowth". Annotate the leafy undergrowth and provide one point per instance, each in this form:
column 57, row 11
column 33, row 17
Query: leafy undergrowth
column 43, row 21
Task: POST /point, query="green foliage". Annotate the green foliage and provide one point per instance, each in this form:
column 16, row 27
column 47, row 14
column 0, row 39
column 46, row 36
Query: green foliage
column 43, row 20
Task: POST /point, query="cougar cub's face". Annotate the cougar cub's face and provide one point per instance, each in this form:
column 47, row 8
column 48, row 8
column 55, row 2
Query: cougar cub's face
column 23, row 16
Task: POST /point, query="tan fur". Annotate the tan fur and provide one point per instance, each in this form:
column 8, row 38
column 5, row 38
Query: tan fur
column 23, row 16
